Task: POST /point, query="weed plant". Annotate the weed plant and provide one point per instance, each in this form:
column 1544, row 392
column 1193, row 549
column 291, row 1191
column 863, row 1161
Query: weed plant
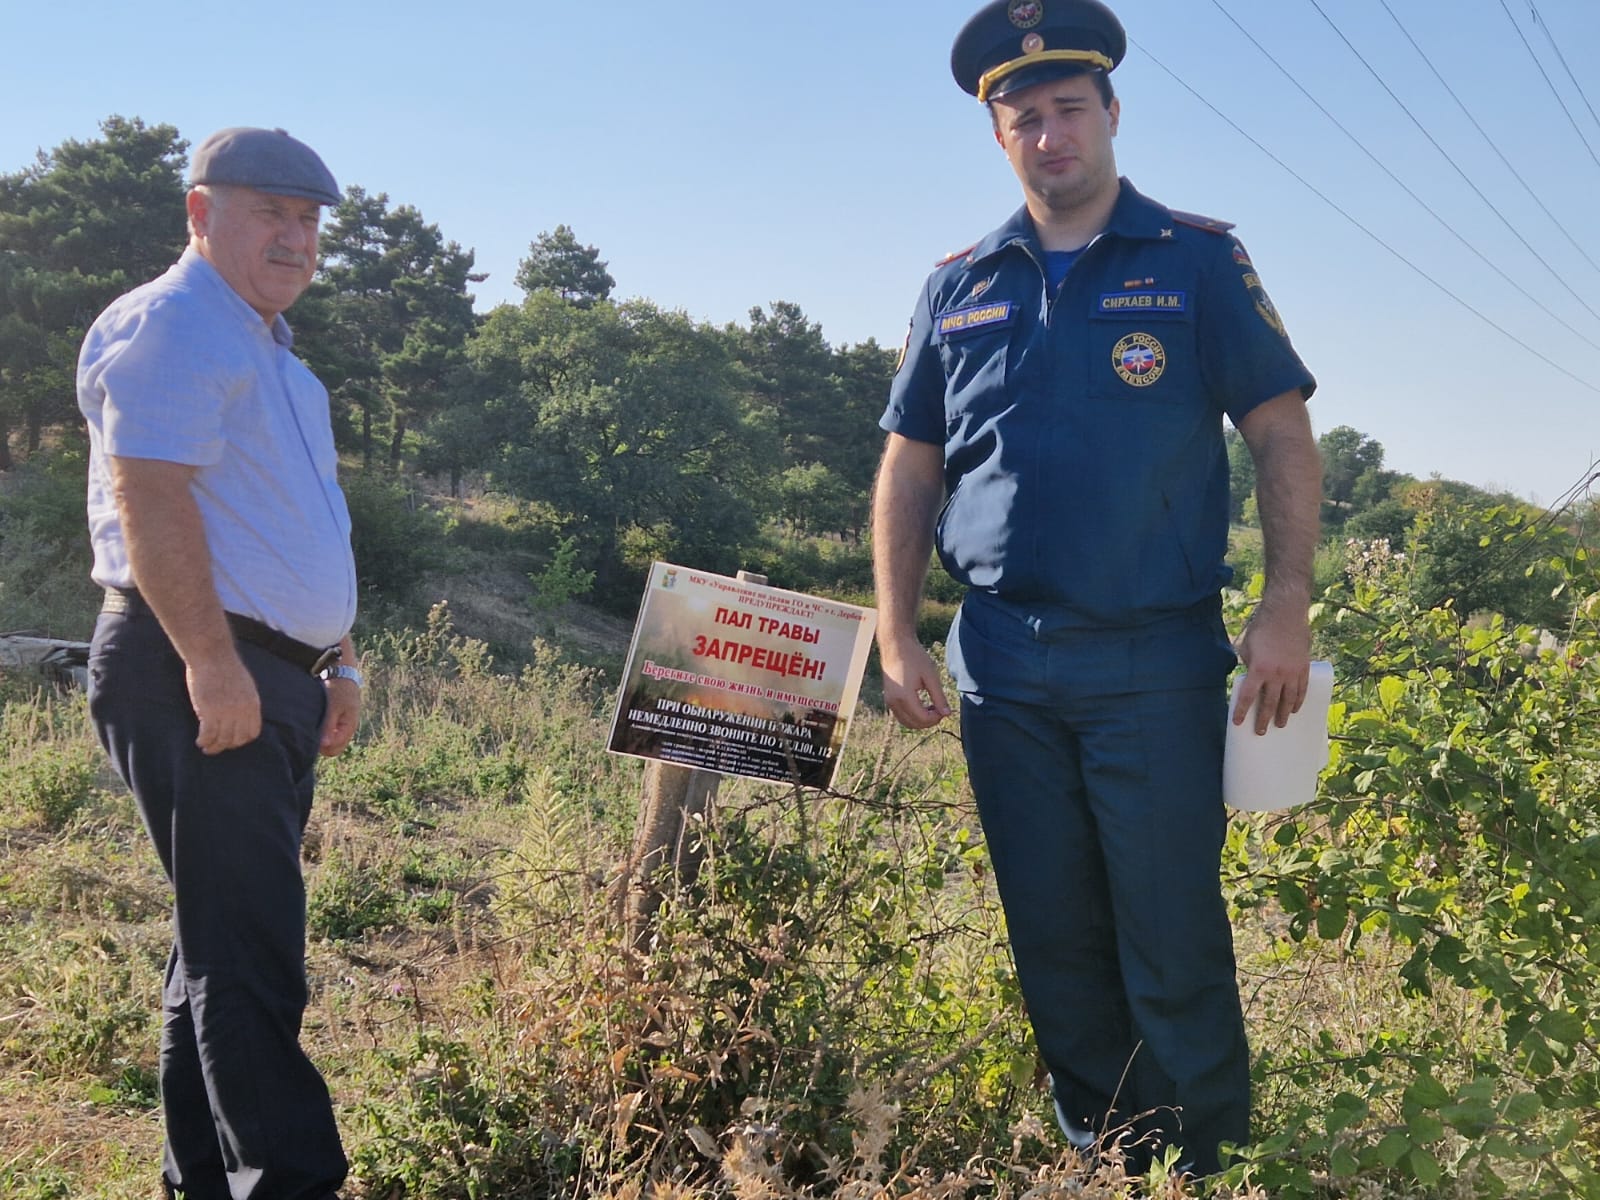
column 829, row 1008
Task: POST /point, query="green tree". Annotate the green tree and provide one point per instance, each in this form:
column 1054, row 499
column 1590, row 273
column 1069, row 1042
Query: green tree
column 850, row 450
column 812, row 500
column 623, row 421
column 1347, row 455
column 1389, row 520
column 1241, row 475
column 790, row 369
column 386, row 324
column 557, row 263
column 85, row 223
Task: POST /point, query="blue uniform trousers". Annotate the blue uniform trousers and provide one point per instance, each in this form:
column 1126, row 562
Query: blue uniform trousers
column 247, row 1115
column 1100, row 796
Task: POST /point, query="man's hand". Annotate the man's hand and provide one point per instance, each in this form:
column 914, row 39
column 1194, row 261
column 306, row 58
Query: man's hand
column 912, row 689
column 1276, row 651
column 344, row 716
column 224, row 697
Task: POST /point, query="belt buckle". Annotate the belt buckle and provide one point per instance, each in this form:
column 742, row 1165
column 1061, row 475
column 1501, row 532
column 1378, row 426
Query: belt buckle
column 328, row 657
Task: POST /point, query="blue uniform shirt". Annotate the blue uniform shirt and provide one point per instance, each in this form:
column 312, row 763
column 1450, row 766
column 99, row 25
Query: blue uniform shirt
column 1085, row 469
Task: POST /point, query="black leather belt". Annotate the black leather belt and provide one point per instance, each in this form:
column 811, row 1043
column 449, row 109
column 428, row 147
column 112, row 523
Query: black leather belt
column 310, row 659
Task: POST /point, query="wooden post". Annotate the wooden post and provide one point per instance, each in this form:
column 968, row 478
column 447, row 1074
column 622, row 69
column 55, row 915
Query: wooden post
column 674, row 809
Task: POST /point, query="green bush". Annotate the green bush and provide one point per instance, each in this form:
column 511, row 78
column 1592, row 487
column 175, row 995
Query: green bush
column 1456, row 842
column 49, row 786
column 45, row 558
column 52, row 765
column 395, row 535
column 345, row 900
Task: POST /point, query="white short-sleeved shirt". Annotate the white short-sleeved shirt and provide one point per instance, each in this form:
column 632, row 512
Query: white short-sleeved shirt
column 183, row 370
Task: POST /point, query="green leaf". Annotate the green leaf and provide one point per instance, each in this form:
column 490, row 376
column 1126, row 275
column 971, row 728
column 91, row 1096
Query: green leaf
column 1393, row 1148
column 1293, row 897
column 1522, row 1108
column 1331, row 919
column 1425, row 1127
column 1343, row 1161
column 1472, row 1118
column 1426, row 1093
column 1344, row 1111
column 1390, row 690
column 1424, row 1167
column 1563, row 1027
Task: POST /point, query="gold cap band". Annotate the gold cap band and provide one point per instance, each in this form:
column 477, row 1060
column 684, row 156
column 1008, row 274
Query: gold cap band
column 988, row 79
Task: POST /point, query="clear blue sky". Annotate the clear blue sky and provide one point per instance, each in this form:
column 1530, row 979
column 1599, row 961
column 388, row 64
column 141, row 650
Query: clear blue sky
column 723, row 155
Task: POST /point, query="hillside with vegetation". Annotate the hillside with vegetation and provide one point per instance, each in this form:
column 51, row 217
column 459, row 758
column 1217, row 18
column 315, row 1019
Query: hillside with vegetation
column 829, row 1009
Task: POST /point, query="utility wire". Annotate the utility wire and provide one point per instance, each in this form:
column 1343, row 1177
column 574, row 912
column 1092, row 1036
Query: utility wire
column 1551, row 85
column 1534, row 196
column 1320, row 195
column 1562, row 59
column 1476, row 191
column 1379, row 163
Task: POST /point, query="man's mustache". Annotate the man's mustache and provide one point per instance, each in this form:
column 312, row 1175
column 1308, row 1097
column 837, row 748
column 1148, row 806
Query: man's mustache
column 286, row 258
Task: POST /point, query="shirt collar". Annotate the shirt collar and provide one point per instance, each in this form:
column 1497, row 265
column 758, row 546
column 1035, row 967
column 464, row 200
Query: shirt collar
column 1134, row 216
column 198, row 267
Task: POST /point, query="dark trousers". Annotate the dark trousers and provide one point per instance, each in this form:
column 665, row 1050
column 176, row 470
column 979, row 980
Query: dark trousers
column 247, row 1115
column 1103, row 814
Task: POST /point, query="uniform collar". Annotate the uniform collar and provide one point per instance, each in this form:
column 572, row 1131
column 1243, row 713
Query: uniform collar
column 1135, row 216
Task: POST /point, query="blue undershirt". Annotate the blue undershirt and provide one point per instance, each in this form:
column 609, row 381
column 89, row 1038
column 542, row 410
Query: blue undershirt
column 1057, row 263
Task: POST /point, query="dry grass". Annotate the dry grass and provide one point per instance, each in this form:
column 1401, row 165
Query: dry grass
column 493, row 985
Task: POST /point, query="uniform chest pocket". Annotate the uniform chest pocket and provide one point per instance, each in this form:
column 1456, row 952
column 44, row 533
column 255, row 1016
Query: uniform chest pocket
column 1141, row 347
column 974, row 346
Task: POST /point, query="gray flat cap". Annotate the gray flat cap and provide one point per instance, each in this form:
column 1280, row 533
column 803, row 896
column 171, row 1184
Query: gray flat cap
column 268, row 160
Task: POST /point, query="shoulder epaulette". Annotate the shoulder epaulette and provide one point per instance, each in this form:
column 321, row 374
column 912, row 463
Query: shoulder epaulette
column 1195, row 220
column 950, row 258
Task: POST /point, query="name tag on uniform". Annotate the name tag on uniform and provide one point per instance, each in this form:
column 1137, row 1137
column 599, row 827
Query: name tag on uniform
column 1115, row 303
column 975, row 318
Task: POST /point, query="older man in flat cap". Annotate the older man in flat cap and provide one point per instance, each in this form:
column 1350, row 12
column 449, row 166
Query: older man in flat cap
column 1055, row 429
column 222, row 663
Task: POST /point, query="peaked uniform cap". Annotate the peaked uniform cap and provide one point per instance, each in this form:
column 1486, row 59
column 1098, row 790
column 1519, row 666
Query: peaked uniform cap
column 1012, row 44
column 268, row 160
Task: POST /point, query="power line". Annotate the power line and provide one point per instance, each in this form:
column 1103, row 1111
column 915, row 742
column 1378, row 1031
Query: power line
column 1550, row 84
column 1379, row 163
column 1534, row 196
column 1320, row 195
column 1562, row 59
column 1476, row 191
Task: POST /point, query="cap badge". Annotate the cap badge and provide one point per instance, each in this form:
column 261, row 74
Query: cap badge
column 1139, row 359
column 1025, row 14
column 1032, row 44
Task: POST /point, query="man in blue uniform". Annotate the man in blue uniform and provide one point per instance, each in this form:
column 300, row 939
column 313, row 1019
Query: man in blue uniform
column 1061, row 396
column 222, row 664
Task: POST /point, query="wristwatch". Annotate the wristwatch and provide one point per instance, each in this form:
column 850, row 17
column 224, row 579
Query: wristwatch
column 341, row 671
